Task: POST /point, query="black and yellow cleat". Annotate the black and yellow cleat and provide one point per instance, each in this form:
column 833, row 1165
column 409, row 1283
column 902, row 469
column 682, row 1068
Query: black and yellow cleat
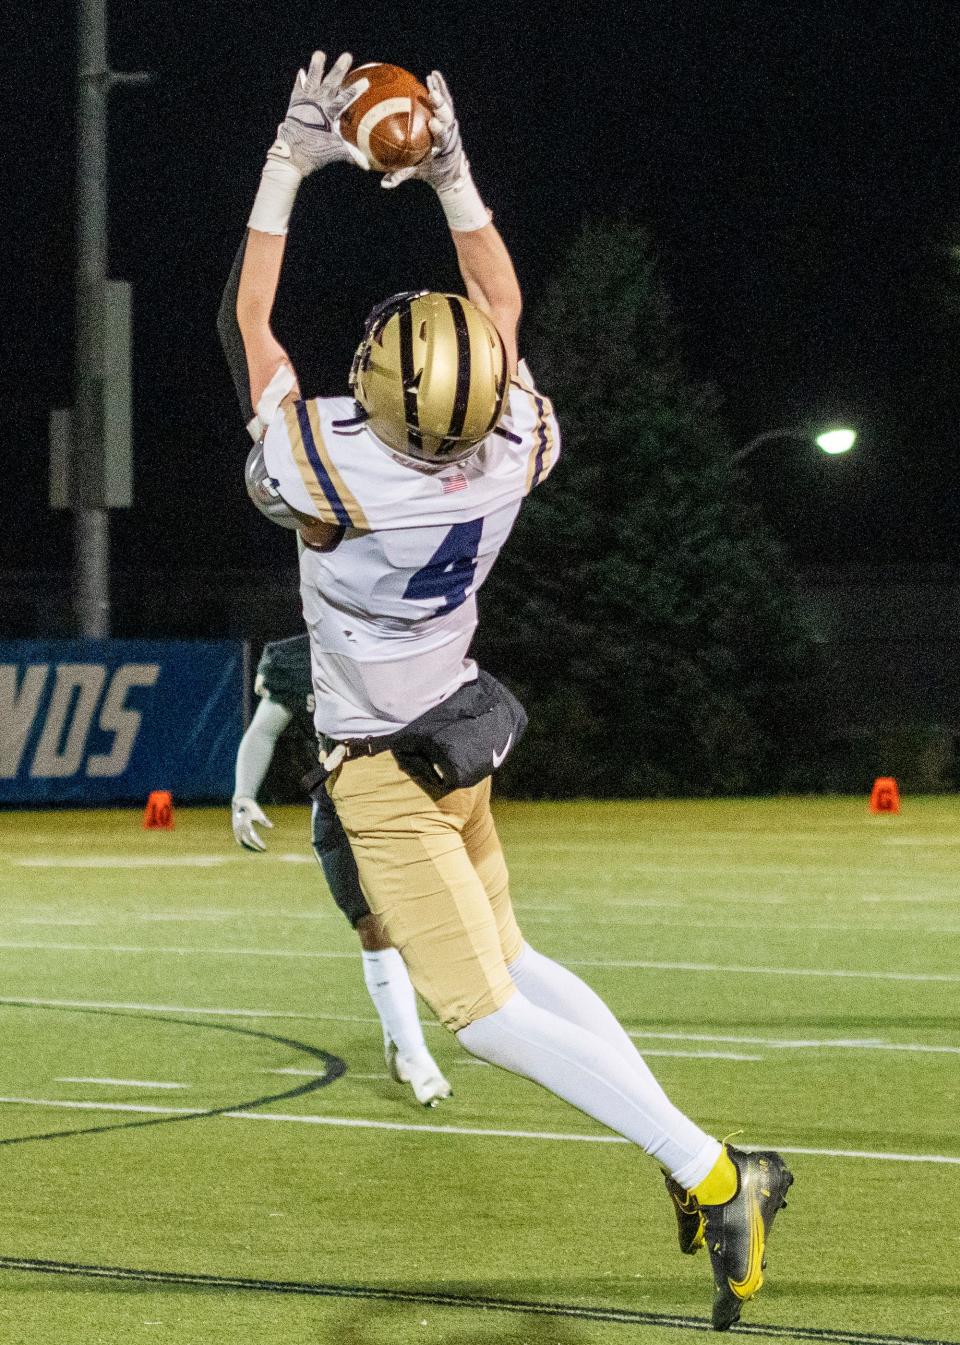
column 737, row 1230
column 690, row 1221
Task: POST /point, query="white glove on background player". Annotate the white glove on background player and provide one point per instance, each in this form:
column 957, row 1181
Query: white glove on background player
column 244, row 814
column 446, row 164
column 309, row 135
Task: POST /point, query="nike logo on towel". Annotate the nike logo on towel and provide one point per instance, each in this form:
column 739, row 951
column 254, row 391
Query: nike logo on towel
column 500, row 757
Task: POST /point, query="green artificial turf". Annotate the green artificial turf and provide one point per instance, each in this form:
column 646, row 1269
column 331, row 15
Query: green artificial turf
column 724, row 935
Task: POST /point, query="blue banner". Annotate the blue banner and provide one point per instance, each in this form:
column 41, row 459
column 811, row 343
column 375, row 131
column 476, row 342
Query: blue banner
column 108, row 721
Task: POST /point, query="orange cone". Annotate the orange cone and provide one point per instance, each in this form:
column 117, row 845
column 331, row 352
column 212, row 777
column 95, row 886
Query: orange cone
column 885, row 797
column 158, row 814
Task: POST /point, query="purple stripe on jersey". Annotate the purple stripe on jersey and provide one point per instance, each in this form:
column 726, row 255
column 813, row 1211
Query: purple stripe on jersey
column 319, row 471
column 542, row 434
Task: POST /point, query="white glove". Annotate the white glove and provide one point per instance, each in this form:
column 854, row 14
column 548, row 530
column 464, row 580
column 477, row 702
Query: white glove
column 446, row 164
column 244, row 813
column 309, row 136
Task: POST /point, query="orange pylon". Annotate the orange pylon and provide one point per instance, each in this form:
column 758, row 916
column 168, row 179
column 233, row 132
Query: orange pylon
column 885, row 797
column 158, row 814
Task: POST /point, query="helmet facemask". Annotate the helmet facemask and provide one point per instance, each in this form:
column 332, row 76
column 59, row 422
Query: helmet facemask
column 431, row 376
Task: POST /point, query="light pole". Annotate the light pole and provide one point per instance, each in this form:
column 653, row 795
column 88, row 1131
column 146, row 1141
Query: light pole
column 834, row 440
column 90, row 463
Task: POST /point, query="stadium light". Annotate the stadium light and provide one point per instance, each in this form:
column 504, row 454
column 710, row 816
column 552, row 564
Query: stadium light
column 838, row 439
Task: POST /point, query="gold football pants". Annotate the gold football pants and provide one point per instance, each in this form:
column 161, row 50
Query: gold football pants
column 433, row 871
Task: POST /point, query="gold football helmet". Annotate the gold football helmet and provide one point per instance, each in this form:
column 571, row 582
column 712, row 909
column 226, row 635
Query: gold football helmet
column 430, row 375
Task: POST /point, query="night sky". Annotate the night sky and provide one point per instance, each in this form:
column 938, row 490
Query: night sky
column 798, row 166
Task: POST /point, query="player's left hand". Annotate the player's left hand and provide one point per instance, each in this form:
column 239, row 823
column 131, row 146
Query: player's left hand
column 244, row 813
column 309, row 136
column 446, row 164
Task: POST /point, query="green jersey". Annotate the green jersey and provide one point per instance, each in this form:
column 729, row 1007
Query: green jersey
column 283, row 675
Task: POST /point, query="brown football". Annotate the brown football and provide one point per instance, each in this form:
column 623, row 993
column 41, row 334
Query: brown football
column 389, row 123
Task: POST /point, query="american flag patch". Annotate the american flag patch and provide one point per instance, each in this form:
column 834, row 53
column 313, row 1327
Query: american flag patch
column 452, row 483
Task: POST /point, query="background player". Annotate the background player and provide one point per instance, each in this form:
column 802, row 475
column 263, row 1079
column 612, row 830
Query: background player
column 286, row 702
column 405, row 498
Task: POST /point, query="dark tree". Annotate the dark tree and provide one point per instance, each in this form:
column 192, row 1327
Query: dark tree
column 641, row 609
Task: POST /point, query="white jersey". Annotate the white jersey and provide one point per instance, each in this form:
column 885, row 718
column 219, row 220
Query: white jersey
column 391, row 611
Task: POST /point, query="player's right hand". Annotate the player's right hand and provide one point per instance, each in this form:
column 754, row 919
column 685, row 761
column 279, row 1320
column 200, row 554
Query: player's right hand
column 244, row 813
column 446, row 163
column 309, row 135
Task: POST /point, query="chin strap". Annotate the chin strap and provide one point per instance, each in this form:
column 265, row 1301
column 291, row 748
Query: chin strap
column 360, row 418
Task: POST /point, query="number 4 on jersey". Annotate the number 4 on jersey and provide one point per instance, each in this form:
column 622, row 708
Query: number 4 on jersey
column 448, row 574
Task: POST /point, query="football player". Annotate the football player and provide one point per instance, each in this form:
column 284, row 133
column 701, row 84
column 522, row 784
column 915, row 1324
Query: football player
column 404, row 492
column 286, row 699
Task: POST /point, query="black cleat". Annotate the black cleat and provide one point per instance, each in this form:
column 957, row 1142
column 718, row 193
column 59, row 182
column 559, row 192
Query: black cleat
column 736, row 1232
column 690, row 1221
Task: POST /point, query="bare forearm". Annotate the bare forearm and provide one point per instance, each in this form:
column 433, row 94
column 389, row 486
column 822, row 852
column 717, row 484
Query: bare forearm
column 259, row 279
column 491, row 281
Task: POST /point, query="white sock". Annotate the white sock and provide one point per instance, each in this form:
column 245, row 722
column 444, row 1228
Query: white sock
column 594, row 1076
column 394, row 999
column 550, row 986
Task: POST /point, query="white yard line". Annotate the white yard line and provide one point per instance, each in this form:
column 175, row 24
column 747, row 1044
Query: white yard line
column 306, row 1016
column 137, row 1007
column 49, row 920
column 119, row 1083
column 124, row 861
column 647, row 865
column 733, row 969
column 174, row 950
column 529, row 912
column 176, row 917
column 139, row 1107
column 620, row 964
column 299, row 1073
column 703, row 1055
column 674, row 865
column 149, row 861
column 531, row 906
column 528, row 915
column 799, row 1044
column 923, row 841
column 649, row 902
column 107, row 915
column 616, row 911
column 485, row 1132
column 565, row 925
column 898, row 898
